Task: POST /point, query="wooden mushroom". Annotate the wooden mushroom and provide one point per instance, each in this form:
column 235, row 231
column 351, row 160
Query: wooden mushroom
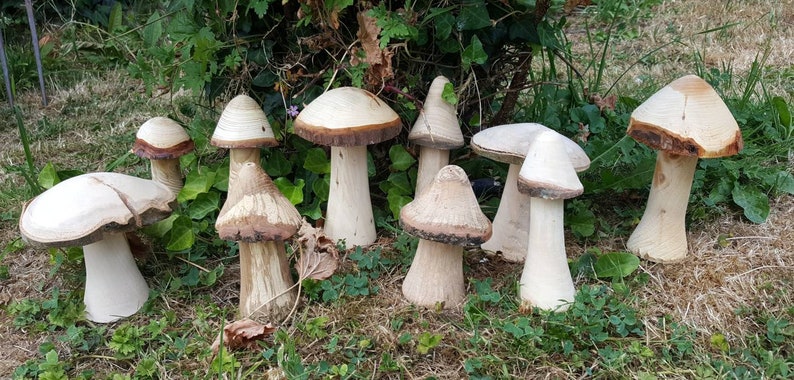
column 163, row 141
column 95, row 211
column 348, row 119
column 260, row 219
column 684, row 120
column 436, row 131
column 508, row 143
column 446, row 217
column 548, row 177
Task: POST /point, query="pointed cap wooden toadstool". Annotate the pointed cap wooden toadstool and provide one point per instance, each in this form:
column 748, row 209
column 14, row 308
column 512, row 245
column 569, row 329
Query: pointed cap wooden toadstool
column 437, row 125
column 95, row 211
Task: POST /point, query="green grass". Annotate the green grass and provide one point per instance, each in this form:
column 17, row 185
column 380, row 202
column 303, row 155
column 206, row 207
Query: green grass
column 354, row 325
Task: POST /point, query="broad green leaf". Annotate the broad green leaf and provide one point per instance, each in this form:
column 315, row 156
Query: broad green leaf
column 204, row 204
column 196, row 182
column 443, row 24
column 317, row 162
column 616, row 265
column 321, row 186
column 181, row 234
column 293, row 192
column 399, row 182
column 401, row 160
column 448, row 94
column 783, row 112
column 221, row 178
column 782, row 181
column 48, row 176
column 582, row 223
column 754, row 203
column 277, row 165
column 162, row 227
column 153, row 30
column 396, row 202
column 114, row 18
column 474, row 53
column 312, row 211
column 473, row 15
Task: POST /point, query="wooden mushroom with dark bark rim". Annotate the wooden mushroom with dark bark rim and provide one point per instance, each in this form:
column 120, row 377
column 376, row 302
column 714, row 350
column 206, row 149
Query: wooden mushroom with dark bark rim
column 508, row 143
column 548, row 177
column 683, row 121
column 446, row 217
column 163, row 141
column 243, row 129
column 436, row 131
column 260, row 219
column 95, row 211
column 348, row 119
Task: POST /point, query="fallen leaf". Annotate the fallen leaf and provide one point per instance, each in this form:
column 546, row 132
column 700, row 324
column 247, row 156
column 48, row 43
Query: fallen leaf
column 604, row 103
column 242, row 334
column 319, row 257
column 379, row 60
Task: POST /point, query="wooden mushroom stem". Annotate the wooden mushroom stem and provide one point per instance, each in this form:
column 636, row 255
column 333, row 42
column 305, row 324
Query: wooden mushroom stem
column 349, row 214
column 114, row 287
column 511, row 224
column 239, row 156
column 266, row 290
column 436, row 275
column 168, row 173
column 431, row 160
column 661, row 234
column 546, row 280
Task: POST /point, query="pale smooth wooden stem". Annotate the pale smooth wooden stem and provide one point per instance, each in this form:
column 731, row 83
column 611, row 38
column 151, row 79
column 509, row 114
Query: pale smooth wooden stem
column 239, row 156
column 661, row 234
column 511, row 223
column 168, row 173
column 114, row 287
column 436, row 275
column 430, row 162
column 349, row 214
column 266, row 292
column 546, row 280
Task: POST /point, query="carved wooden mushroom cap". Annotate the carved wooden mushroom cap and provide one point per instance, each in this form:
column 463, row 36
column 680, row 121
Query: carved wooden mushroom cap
column 347, row 116
column 547, row 171
column 255, row 210
column 437, row 125
column 447, row 211
column 509, row 143
column 243, row 124
column 687, row 117
column 161, row 138
column 82, row 209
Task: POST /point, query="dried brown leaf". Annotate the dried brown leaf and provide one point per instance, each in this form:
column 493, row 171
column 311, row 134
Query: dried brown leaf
column 242, row 334
column 319, row 257
column 379, row 60
column 608, row 102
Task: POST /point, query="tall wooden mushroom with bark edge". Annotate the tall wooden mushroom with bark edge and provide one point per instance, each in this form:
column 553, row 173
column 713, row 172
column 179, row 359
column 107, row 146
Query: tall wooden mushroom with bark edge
column 548, row 176
column 508, row 143
column 684, row 120
column 445, row 216
column 243, row 129
column 163, row 141
column 436, row 131
column 95, row 211
column 260, row 219
column 348, row 119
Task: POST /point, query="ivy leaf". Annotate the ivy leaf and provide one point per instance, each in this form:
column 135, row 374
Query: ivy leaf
column 448, row 94
column 293, row 192
column 473, row 15
column 401, row 160
column 196, row 182
column 396, row 202
column 321, row 187
column 204, row 204
column 616, row 265
column 474, row 53
column 317, row 162
column 754, row 203
column 182, row 237
column 277, row 164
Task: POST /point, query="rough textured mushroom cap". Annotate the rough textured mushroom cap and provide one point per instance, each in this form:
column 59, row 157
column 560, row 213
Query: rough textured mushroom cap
column 243, row 124
column 161, row 138
column 509, row 143
column 437, row 125
column 81, row 209
column 447, row 211
column 255, row 210
column 347, row 116
column 547, row 171
column 687, row 117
